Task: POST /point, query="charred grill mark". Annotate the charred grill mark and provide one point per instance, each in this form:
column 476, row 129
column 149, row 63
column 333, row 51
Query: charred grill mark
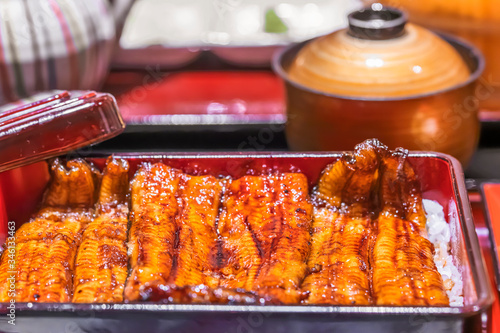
column 253, row 271
column 257, row 203
column 175, row 258
column 256, row 241
column 277, row 228
column 220, row 259
column 275, row 232
column 407, row 243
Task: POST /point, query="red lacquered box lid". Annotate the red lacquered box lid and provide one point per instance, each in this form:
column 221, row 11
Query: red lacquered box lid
column 56, row 125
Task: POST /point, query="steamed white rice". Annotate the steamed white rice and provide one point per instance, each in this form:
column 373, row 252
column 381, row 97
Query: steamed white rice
column 439, row 234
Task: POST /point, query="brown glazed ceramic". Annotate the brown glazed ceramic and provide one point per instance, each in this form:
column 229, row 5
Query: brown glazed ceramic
column 416, row 62
column 443, row 119
column 477, row 21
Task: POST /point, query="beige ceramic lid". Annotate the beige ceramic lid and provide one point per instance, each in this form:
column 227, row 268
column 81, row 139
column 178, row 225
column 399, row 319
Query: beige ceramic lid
column 379, row 56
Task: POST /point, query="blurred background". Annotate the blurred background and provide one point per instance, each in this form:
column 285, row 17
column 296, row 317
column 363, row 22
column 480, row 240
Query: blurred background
column 199, row 75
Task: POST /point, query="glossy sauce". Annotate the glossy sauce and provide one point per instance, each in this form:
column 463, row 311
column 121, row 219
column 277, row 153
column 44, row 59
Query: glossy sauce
column 259, row 239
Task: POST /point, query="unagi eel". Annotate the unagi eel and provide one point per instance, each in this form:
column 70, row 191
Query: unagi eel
column 47, row 245
column 264, row 227
column 339, row 264
column 152, row 235
column 403, row 269
column 359, row 238
column 101, row 262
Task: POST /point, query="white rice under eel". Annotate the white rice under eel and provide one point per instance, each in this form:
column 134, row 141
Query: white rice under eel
column 439, row 234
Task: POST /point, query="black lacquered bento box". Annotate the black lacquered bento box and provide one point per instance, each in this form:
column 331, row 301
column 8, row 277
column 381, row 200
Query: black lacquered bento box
column 441, row 180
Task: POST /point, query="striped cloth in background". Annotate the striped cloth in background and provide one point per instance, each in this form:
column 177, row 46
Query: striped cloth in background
column 53, row 44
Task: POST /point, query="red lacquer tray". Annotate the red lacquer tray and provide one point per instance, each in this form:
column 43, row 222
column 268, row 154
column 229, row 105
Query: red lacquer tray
column 209, row 98
column 198, row 98
column 491, row 199
column 478, row 211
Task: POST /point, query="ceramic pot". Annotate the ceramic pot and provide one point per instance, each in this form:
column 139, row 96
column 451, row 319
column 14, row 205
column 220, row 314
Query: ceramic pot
column 402, row 84
column 477, row 21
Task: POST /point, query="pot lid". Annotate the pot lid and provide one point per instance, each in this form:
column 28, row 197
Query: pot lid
column 55, row 125
column 379, row 55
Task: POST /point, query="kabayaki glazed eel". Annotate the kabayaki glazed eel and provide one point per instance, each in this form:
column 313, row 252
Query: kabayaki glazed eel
column 403, row 269
column 152, row 234
column 338, row 263
column 194, row 275
column 46, row 246
column 197, row 248
column 264, row 227
column 101, row 262
column 194, row 270
column 358, row 239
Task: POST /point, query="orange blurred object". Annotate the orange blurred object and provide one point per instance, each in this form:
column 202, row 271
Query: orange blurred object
column 477, row 204
column 379, row 79
column 477, row 21
column 486, row 10
column 492, row 194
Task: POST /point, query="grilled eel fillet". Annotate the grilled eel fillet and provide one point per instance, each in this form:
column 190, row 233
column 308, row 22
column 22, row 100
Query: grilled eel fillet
column 338, row 263
column 174, row 217
column 402, row 262
column 264, row 227
column 101, row 262
column 47, row 245
column 192, row 240
column 198, row 246
column 152, row 235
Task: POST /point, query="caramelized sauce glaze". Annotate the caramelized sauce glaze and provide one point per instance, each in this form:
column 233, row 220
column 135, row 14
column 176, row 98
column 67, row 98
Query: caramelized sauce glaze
column 358, row 239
